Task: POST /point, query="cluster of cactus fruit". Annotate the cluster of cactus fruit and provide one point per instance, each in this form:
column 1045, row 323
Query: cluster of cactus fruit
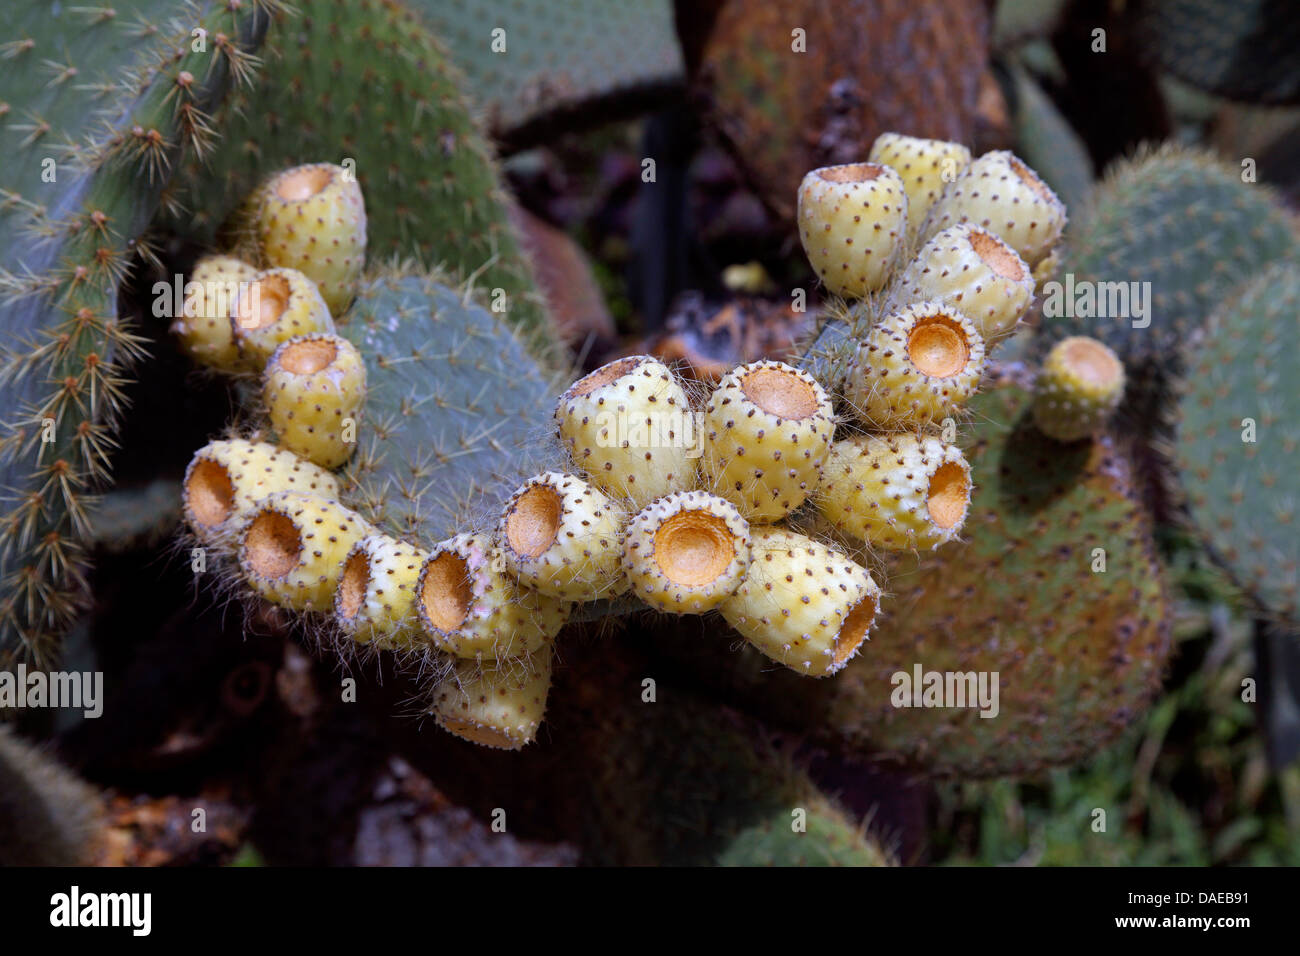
column 689, row 505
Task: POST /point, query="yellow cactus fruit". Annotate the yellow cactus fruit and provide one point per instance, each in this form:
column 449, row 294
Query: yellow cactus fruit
column 225, row 479
column 278, row 305
column 204, row 329
column 916, row 366
column 686, row 552
column 314, row 387
column 1079, row 387
column 496, row 704
column 375, row 600
column 563, row 537
column 1000, row 193
column 471, row 608
column 925, row 166
column 897, row 492
column 629, row 427
column 853, row 224
column 313, row 219
column 292, row 548
column 768, row 430
column 803, row 604
column 970, row 269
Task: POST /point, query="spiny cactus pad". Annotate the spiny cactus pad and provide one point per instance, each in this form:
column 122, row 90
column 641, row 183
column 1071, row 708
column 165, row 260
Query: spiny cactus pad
column 405, row 128
column 798, row 85
column 1180, row 222
column 1239, row 442
column 98, row 109
column 555, row 56
column 681, row 782
column 1077, row 652
column 1242, row 49
column 48, row 816
column 455, row 407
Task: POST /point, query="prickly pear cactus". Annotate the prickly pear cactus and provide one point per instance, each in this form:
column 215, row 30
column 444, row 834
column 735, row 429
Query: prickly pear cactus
column 529, row 60
column 455, row 412
column 1179, row 223
column 1238, row 439
column 99, row 106
column 1077, row 650
column 680, row 782
column 48, row 816
column 1057, row 591
column 365, row 82
column 799, row 85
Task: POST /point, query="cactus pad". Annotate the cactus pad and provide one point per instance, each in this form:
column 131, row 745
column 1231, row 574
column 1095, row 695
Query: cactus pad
column 1238, row 439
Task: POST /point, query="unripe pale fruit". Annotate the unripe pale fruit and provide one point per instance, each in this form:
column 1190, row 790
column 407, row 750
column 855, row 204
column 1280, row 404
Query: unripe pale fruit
column 853, row 225
column 204, row 328
column 686, row 552
column 563, row 537
column 769, row 428
column 314, row 387
column 1079, row 387
column 225, row 479
column 471, row 608
column 972, row 270
column 278, row 305
column 915, row 367
column 801, row 603
column 375, row 600
column 898, row 492
column 926, row 167
column 292, row 549
column 495, row 703
column 629, row 427
column 1000, row 193
column 313, row 219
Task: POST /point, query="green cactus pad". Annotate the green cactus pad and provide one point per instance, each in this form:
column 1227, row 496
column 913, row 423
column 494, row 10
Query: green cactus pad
column 1243, row 495
column 99, row 107
column 1078, row 652
column 364, row 81
column 457, row 410
column 681, row 782
column 555, row 56
column 1185, row 223
column 1046, row 141
column 1242, row 49
column 48, row 816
